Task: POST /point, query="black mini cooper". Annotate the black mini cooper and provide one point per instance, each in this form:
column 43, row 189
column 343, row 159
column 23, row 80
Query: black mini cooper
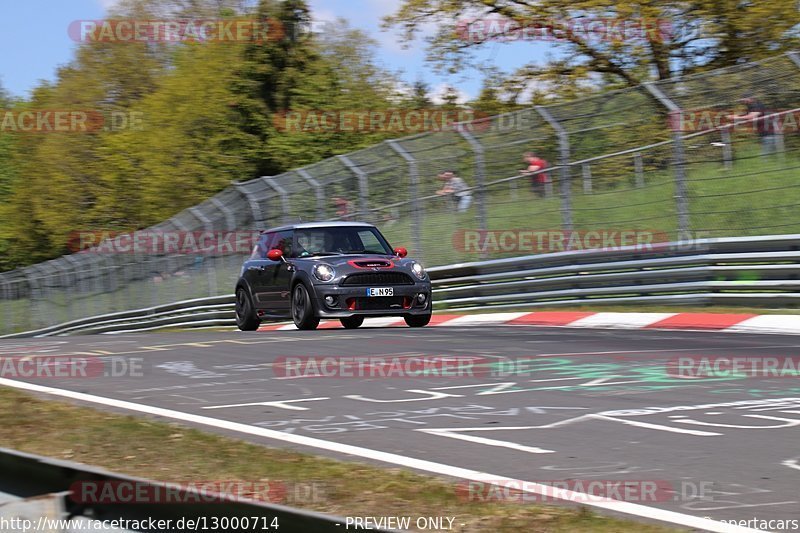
column 344, row 270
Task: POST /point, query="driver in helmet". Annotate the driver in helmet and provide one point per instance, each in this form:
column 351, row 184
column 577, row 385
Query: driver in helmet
column 313, row 242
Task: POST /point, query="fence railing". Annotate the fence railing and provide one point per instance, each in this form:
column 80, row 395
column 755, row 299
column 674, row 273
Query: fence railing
column 753, row 271
column 617, row 162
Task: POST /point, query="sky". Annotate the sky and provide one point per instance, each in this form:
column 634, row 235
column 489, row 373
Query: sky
column 30, row 56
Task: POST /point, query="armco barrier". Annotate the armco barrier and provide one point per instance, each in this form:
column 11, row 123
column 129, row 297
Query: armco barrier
column 754, row 271
column 31, row 478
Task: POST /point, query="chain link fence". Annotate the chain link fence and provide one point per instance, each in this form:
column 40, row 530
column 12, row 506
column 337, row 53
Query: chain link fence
column 618, row 162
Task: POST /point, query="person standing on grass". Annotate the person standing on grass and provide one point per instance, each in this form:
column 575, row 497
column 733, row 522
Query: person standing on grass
column 538, row 181
column 457, row 188
column 763, row 127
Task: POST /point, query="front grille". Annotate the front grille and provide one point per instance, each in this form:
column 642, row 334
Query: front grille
column 377, row 279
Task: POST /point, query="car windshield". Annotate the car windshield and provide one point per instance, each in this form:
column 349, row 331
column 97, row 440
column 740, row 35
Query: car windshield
column 340, row 240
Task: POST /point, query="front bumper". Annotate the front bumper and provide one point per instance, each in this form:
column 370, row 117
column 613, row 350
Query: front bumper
column 352, row 301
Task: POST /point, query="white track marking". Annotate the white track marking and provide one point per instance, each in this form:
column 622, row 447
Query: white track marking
column 487, row 319
column 659, row 427
column 282, row 404
column 661, row 350
column 383, row 321
column 768, row 324
column 483, row 440
column 431, row 395
column 792, row 463
column 374, row 322
column 620, row 320
column 787, row 423
column 396, row 459
column 579, row 419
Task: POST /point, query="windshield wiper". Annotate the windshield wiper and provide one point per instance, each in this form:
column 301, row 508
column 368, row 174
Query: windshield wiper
column 320, row 254
column 367, row 252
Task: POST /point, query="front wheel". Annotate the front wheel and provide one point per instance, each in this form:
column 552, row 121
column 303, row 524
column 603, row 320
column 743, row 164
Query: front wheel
column 352, row 322
column 246, row 318
column 302, row 310
column 418, row 321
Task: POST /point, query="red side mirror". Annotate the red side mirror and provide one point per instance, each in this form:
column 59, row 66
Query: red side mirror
column 401, row 252
column 275, row 255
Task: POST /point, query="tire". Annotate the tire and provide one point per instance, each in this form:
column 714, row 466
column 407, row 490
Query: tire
column 352, row 322
column 418, row 321
column 302, row 309
column 246, row 317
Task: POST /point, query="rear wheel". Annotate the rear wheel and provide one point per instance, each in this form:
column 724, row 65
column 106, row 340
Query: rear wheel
column 246, row 318
column 302, row 310
column 352, row 322
column 418, row 321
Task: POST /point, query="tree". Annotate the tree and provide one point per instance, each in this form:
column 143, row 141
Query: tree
column 270, row 73
column 343, row 77
column 63, row 169
column 189, row 143
column 678, row 38
column 6, row 164
column 58, row 184
column 419, row 95
column 8, row 176
column 450, row 97
column 500, row 94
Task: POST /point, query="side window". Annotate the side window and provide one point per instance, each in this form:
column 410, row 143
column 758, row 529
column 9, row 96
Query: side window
column 283, row 242
column 369, row 241
column 263, row 247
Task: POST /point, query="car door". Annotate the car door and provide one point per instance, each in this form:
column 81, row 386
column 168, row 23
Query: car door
column 255, row 271
column 278, row 275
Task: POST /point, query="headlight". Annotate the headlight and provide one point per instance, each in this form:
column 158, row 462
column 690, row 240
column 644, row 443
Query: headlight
column 324, row 272
column 418, row 271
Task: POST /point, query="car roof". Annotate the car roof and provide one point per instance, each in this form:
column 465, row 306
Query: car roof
column 329, row 224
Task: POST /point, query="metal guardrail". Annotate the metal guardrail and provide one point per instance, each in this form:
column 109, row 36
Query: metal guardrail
column 47, row 485
column 218, row 308
column 754, row 271
column 736, row 271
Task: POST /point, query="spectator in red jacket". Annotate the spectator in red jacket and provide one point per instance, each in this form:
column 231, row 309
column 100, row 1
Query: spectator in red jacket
column 344, row 209
column 535, row 165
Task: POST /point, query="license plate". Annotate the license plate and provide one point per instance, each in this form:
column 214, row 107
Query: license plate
column 380, row 291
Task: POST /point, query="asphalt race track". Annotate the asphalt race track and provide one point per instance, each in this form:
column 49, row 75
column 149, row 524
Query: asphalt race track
column 580, row 405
